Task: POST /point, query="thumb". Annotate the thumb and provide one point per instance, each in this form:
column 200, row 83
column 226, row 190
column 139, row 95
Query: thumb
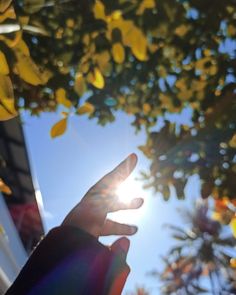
column 121, row 247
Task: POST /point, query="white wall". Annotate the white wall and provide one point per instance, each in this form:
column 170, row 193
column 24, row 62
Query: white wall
column 12, row 253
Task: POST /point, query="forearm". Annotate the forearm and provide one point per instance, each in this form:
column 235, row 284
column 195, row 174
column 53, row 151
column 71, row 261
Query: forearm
column 70, row 261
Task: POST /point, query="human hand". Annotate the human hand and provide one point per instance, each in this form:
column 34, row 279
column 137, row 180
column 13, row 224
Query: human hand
column 90, row 214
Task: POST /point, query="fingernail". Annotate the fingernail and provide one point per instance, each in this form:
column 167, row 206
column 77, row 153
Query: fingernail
column 137, row 202
column 133, row 230
column 133, row 156
column 124, row 244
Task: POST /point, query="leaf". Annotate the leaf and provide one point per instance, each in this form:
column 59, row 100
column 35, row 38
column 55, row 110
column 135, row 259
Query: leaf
column 29, row 71
column 233, row 262
column 99, row 10
column 138, row 43
column 32, row 6
column 96, row 78
column 7, row 109
column 118, row 53
column 80, row 84
column 4, row 188
column 146, row 108
column 59, row 128
column 6, row 88
column 4, row 4
column 145, row 4
column 62, row 99
column 181, row 30
column 22, row 46
column 233, row 226
column 232, row 142
column 86, row 108
column 9, row 13
column 4, row 69
column 7, row 103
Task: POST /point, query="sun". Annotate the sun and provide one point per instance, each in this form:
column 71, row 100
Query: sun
column 127, row 191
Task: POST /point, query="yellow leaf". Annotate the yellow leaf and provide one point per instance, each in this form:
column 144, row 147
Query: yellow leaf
column 80, row 84
column 61, row 98
column 233, row 262
column 9, row 13
column 118, row 53
column 99, row 10
column 185, row 94
column 181, row 84
column 231, row 30
column 24, row 20
column 7, row 104
column 4, row 4
column 233, row 226
column 86, row 108
column 145, row 4
column 102, row 59
column 7, row 109
column 21, row 45
column 146, row 108
column 29, row 71
column 200, row 63
column 6, row 88
column 232, row 142
column 146, row 150
column 4, row 69
column 96, row 78
column 59, row 128
column 181, row 30
column 138, row 43
column 4, row 188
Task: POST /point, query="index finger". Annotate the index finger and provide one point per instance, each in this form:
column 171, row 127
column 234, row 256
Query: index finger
column 111, row 180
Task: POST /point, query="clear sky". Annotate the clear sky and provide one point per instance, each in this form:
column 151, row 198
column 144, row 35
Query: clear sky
column 68, row 166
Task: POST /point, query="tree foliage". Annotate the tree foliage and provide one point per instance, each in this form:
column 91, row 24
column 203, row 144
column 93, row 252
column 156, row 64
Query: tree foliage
column 144, row 57
column 203, row 261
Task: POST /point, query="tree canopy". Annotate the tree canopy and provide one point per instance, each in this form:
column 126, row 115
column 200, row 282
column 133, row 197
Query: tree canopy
column 146, row 58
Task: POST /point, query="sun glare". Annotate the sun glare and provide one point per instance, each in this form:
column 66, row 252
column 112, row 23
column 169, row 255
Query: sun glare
column 127, row 191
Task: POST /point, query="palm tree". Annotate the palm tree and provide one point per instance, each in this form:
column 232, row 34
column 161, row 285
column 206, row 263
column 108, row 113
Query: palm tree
column 200, row 263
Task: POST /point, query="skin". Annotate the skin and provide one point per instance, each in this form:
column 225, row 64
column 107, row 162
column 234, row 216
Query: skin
column 91, row 213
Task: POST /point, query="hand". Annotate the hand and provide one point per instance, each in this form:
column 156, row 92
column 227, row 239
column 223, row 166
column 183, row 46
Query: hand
column 90, row 214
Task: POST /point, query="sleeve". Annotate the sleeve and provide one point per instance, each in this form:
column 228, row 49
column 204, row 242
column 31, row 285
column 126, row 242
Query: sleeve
column 69, row 261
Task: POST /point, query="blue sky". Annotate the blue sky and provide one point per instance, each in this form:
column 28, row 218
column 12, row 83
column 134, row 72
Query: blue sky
column 68, row 166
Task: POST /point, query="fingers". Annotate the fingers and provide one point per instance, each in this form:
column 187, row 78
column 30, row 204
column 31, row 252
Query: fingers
column 114, row 228
column 133, row 204
column 121, row 247
column 116, row 176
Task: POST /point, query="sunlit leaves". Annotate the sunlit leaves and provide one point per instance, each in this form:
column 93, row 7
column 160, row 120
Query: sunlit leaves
column 32, row 6
column 232, row 141
column 181, row 30
column 87, row 108
column 96, row 78
column 7, row 103
column 59, row 128
column 233, row 262
column 29, row 71
column 4, row 188
column 145, row 4
column 4, row 69
column 99, row 10
column 118, row 53
column 4, row 4
column 233, row 226
column 80, row 84
column 62, row 98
